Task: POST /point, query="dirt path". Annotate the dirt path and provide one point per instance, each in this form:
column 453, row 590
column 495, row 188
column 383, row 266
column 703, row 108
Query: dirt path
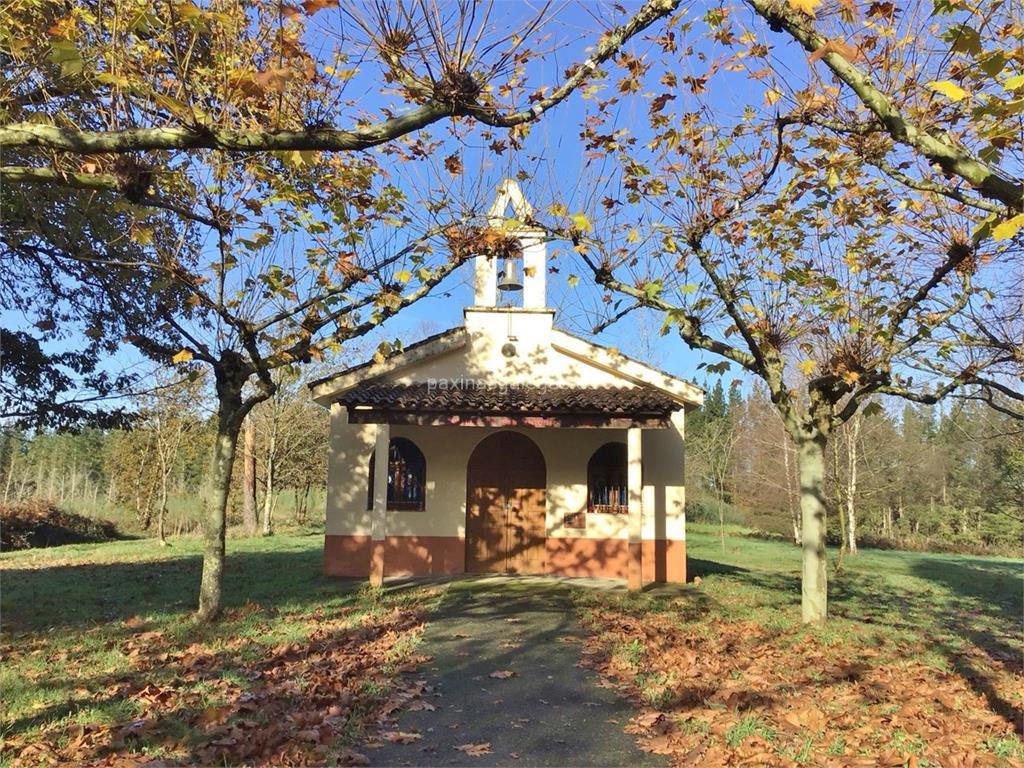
column 548, row 713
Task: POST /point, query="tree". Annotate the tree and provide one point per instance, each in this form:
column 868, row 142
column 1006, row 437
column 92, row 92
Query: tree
column 771, row 242
column 213, row 117
column 170, row 414
column 290, row 434
column 845, row 339
column 764, row 469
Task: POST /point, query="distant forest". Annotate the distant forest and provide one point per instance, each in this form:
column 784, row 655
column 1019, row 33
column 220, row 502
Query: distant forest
column 152, row 472
column 912, row 477
column 918, row 477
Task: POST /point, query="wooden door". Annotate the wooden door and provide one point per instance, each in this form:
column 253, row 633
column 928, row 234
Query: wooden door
column 506, row 482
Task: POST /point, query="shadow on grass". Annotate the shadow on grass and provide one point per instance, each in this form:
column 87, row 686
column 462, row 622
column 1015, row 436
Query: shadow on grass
column 977, row 602
column 78, row 595
column 995, row 588
column 968, row 609
column 703, row 568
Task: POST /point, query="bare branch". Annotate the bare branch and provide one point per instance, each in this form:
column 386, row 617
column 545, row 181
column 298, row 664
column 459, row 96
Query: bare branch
column 100, row 182
column 988, row 181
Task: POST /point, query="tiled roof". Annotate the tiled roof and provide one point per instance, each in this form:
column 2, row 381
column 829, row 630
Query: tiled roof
column 500, row 398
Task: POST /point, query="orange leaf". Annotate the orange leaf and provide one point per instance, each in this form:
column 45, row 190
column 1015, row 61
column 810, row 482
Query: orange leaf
column 476, row 750
column 400, row 737
column 312, row 6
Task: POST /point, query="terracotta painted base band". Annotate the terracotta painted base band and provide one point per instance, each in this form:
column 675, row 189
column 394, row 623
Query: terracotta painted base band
column 660, row 560
column 664, row 560
column 634, row 565
column 377, row 552
column 402, row 555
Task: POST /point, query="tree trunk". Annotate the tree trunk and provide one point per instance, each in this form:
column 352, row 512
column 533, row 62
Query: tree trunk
column 162, row 513
column 268, row 498
column 790, row 501
column 814, row 583
column 215, row 494
column 851, row 487
column 837, row 484
column 10, row 475
column 249, row 480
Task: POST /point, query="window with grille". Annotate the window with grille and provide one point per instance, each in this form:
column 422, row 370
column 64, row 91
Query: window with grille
column 407, row 476
column 607, row 489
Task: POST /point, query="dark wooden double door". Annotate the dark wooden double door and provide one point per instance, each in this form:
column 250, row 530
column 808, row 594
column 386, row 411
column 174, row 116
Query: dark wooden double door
column 506, row 499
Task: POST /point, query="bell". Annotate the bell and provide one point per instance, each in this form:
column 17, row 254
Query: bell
column 508, row 278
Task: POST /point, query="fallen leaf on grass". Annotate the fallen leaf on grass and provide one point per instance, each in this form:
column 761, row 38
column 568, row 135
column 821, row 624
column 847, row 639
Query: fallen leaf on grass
column 810, row 718
column 475, row 750
column 213, row 716
column 510, row 644
column 401, row 737
column 659, row 745
column 503, row 674
column 648, row 719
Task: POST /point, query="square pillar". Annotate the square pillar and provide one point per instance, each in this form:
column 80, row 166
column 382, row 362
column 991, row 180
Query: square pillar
column 485, row 281
column 634, row 480
column 534, row 272
column 378, row 519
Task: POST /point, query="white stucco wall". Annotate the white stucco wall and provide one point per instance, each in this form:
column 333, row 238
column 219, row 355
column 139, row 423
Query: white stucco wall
column 535, row 362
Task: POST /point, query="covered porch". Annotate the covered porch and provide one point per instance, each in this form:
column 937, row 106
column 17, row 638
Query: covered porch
column 528, row 479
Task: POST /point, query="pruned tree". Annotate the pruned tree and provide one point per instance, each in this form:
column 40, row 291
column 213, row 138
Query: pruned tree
column 772, row 242
column 216, row 117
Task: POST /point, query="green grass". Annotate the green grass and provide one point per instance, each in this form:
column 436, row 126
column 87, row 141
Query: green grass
column 88, row 584
column 72, row 616
column 954, row 595
column 182, row 513
column 748, row 726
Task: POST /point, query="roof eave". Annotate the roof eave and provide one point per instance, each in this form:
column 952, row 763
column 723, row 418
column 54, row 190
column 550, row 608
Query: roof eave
column 684, row 392
column 327, row 389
